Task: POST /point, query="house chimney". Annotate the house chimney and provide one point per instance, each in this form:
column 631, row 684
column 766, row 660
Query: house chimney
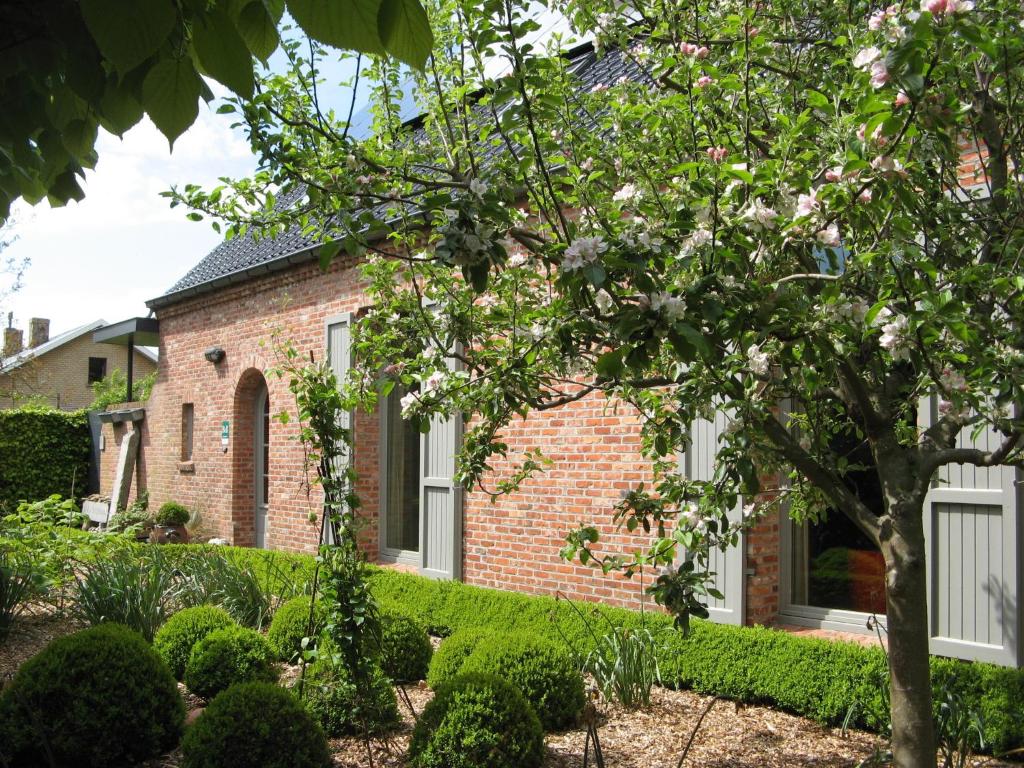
column 12, row 341
column 38, row 331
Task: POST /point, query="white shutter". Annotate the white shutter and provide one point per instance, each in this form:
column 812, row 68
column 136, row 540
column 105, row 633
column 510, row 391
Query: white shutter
column 698, row 463
column 441, row 498
column 339, row 357
column 971, row 517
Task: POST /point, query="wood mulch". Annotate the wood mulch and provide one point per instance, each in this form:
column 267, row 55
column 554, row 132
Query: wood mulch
column 730, row 735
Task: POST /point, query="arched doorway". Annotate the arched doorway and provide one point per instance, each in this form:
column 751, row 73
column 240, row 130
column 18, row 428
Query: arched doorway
column 261, row 463
column 251, row 461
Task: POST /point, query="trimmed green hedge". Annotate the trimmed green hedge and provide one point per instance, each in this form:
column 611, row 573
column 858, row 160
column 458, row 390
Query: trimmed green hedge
column 45, row 452
column 813, row 677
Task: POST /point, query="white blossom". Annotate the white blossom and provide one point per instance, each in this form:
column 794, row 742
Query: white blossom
column 952, row 380
column 604, row 300
column 672, row 307
column 757, row 360
column 408, row 403
column 807, row 204
column 760, row 215
column 479, row 187
column 628, row 193
column 895, row 337
column 700, row 237
column 434, row 381
column 583, row 251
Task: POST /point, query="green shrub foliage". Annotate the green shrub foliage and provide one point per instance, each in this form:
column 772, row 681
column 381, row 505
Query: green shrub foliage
column 290, row 626
column 227, row 656
column 543, row 670
column 172, row 513
column 477, row 721
column 45, row 452
column 255, row 724
column 405, row 648
column 175, row 639
column 331, row 697
column 452, row 654
column 99, row 697
column 813, row 677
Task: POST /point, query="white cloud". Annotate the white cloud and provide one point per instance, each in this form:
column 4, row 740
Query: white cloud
column 123, row 243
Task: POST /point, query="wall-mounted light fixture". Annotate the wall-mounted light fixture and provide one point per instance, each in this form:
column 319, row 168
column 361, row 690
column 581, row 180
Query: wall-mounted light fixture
column 214, row 354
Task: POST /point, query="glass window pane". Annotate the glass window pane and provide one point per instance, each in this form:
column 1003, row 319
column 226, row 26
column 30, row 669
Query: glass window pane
column 837, row 567
column 266, row 449
column 402, row 476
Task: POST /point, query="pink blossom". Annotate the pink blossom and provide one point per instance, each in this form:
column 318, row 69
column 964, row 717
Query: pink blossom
column 599, row 87
column 879, row 74
column 865, row 196
column 687, row 49
column 704, row 80
column 939, row 8
column 866, row 57
column 364, row 180
column 717, row 154
column 901, row 100
column 702, row 52
column 807, row 204
column 876, row 21
column 829, row 236
column 832, row 175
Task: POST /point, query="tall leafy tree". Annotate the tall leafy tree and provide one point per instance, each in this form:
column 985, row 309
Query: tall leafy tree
column 70, row 67
column 764, row 204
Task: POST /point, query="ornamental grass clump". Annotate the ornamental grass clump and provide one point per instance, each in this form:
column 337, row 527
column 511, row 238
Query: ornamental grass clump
column 228, row 656
column 96, row 698
column 544, row 671
column 290, row 628
column 477, row 721
column 255, row 724
column 175, row 639
column 126, row 588
column 405, row 649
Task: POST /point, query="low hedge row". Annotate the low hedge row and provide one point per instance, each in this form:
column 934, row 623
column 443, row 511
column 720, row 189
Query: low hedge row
column 813, row 677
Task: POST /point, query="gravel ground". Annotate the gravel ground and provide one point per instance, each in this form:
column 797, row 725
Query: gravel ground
column 652, row 737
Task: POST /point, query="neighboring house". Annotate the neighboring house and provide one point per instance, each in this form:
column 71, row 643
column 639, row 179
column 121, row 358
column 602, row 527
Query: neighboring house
column 58, row 371
column 210, row 441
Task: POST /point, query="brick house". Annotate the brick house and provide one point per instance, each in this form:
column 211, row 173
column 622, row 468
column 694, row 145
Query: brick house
column 59, row 370
column 210, row 442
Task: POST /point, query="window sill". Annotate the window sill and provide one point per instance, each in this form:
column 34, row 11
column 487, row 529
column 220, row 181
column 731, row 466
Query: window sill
column 187, row 467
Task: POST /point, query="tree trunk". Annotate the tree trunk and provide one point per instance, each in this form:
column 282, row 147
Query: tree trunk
column 906, row 593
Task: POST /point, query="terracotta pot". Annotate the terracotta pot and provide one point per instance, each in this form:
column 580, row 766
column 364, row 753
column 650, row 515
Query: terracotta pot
column 169, row 534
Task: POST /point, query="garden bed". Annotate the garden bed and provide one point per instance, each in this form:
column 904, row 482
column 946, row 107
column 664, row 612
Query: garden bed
column 731, row 734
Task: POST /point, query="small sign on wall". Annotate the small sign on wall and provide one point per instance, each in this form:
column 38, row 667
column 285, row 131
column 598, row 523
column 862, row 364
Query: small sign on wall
column 225, row 433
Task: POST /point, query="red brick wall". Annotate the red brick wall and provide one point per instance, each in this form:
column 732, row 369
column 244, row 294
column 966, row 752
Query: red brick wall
column 511, row 543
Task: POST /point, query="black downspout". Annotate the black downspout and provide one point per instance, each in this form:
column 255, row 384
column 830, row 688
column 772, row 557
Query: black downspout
column 131, row 362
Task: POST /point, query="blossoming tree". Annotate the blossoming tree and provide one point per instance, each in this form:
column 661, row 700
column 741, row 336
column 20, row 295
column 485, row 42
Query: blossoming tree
column 765, row 203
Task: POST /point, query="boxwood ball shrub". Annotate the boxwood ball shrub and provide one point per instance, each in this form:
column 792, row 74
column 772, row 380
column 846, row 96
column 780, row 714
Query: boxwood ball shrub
column 332, row 699
column 290, row 625
column 544, row 671
column 176, row 638
column 405, row 649
column 227, row 656
column 172, row 513
column 255, row 724
column 98, row 697
column 477, row 721
column 452, row 654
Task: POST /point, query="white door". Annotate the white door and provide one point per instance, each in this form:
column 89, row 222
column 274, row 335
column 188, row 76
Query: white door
column 261, row 453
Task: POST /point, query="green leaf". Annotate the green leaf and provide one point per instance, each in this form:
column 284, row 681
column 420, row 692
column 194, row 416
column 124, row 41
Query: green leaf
column 350, row 24
column 405, row 31
column 258, row 29
column 327, row 253
column 816, row 99
column 594, row 272
column 224, row 54
column 170, row 94
column 118, row 109
column 128, row 32
column 609, row 365
column 79, row 136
